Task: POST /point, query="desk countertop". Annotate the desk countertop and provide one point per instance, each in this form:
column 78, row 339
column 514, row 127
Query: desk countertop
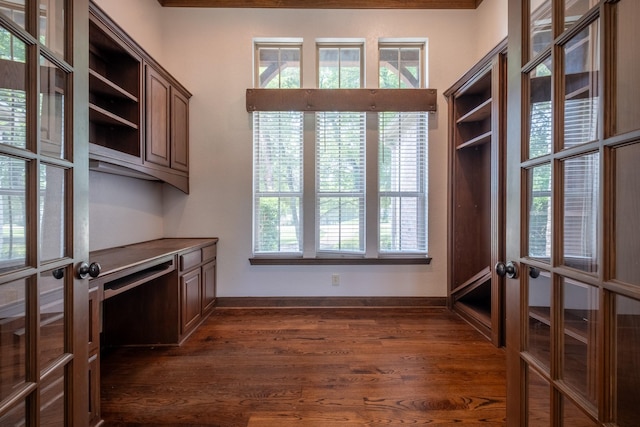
column 120, row 258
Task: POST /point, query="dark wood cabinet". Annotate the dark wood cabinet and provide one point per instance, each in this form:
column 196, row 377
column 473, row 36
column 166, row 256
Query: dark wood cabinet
column 158, row 93
column 152, row 293
column 208, row 285
column 179, row 130
column 476, row 194
column 190, row 299
column 167, row 122
column 138, row 113
column 197, row 285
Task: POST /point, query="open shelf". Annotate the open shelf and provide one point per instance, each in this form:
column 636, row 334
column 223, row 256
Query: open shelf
column 477, row 280
column 100, row 115
column 476, row 194
column 477, row 114
column 478, row 140
column 102, row 85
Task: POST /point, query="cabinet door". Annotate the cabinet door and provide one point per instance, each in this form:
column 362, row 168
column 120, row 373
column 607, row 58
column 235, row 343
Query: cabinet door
column 208, row 285
column 179, row 131
column 190, row 304
column 158, row 91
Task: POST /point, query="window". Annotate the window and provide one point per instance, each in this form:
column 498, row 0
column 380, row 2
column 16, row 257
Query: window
column 360, row 190
column 402, row 155
column 340, row 157
column 277, row 157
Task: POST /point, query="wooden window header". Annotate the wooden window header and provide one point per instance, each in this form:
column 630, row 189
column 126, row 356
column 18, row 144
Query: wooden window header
column 367, row 100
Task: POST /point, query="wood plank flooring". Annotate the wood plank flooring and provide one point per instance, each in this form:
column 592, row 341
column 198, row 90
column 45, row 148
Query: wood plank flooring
column 311, row 367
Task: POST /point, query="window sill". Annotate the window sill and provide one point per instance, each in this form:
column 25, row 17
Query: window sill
column 339, row 261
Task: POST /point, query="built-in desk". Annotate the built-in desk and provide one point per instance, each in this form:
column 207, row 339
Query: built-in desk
column 153, row 293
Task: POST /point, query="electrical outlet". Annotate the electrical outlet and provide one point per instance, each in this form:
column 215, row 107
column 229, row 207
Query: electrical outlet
column 335, row 280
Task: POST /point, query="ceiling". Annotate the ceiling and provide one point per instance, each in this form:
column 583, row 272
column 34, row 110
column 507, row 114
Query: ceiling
column 327, row 4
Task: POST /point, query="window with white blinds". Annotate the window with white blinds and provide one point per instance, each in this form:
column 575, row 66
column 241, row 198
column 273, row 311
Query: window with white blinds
column 277, row 182
column 339, row 214
column 340, row 182
column 403, row 182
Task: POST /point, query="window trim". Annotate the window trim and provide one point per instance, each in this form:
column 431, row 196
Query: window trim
column 346, row 260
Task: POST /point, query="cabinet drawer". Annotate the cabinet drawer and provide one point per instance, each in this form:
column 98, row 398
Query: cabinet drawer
column 209, row 252
column 190, row 259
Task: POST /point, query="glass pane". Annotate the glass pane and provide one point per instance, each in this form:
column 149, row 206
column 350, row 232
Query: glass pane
column 15, row 417
column 402, row 224
column 538, row 400
column 399, row 67
column 52, row 25
column 580, row 316
column 402, row 182
column 52, row 212
column 340, row 225
column 14, row 10
column 582, row 98
column 52, row 399
column 278, row 222
column 52, row 96
column 540, row 110
column 581, row 191
column 13, row 98
column 279, row 67
column 13, row 213
column 410, row 68
column 575, row 9
column 51, row 291
column 627, row 66
column 13, row 336
column 350, row 68
column 572, row 416
column 627, row 360
column 625, row 214
column 540, row 31
column 539, row 199
column 539, row 326
column 329, row 68
column 339, row 68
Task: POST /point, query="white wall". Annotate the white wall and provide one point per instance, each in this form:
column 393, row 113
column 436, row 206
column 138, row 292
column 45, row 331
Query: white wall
column 492, row 18
column 210, row 52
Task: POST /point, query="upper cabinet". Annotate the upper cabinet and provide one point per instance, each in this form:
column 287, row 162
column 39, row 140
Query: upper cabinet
column 139, row 113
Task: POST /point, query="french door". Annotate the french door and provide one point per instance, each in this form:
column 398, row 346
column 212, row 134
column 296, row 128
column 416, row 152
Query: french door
column 43, row 212
column 573, row 213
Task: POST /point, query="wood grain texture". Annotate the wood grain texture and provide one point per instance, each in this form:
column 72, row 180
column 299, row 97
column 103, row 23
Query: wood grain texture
column 311, row 367
column 327, row 4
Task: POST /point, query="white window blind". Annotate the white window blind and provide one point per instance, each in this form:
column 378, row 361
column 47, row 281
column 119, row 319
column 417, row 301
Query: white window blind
column 277, row 182
column 340, row 182
column 403, row 182
column 12, row 211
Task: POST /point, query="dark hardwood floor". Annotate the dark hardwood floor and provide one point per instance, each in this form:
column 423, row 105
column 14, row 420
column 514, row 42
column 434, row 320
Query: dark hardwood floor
column 311, row 367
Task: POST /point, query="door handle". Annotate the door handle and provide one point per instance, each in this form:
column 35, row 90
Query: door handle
column 509, row 269
column 85, row 270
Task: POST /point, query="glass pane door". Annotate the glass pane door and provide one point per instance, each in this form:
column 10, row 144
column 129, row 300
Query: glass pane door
column 42, row 352
column 574, row 148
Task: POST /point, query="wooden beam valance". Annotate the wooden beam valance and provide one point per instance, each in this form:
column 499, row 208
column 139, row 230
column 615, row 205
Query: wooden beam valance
column 368, row 100
column 327, row 4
